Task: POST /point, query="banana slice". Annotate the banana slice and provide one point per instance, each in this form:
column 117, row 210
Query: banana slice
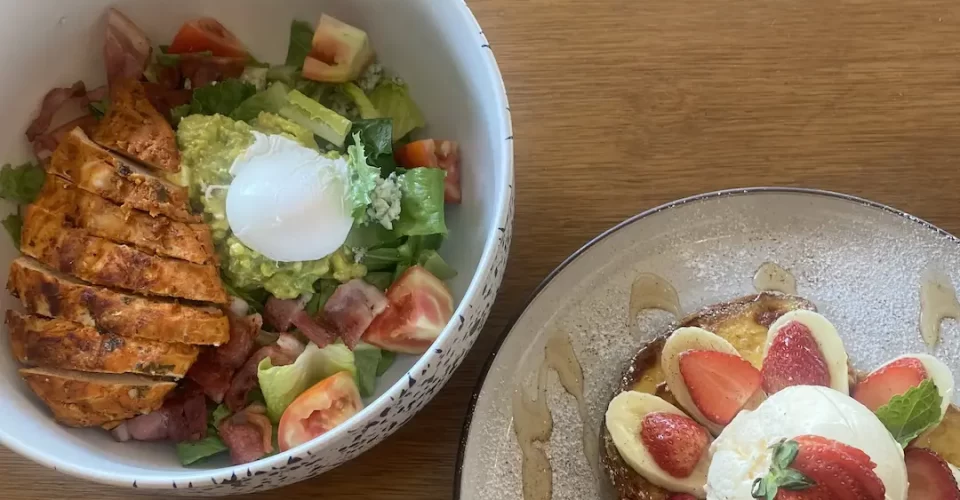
column 624, row 419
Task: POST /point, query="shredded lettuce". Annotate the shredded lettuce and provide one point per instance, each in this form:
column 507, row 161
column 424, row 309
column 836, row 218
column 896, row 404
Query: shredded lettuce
column 301, row 42
column 421, row 207
column 363, row 180
column 314, row 116
column 21, row 184
column 366, row 359
column 392, row 99
column 282, row 384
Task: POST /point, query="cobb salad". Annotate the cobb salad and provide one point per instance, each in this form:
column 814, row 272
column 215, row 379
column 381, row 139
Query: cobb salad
column 277, row 225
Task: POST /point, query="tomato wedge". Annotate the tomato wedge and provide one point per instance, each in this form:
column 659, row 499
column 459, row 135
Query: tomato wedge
column 206, row 34
column 319, row 409
column 435, row 154
column 419, row 307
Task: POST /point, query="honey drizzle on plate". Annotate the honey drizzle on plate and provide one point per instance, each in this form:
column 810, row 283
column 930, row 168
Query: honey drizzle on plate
column 938, row 300
column 770, row 277
column 650, row 291
column 533, row 421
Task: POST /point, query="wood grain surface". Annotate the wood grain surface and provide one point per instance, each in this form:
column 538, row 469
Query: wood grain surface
column 621, row 105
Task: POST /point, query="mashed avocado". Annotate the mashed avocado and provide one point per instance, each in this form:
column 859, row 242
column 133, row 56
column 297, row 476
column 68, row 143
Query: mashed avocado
column 208, row 146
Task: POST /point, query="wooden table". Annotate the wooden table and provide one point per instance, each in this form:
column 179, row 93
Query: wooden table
column 621, row 105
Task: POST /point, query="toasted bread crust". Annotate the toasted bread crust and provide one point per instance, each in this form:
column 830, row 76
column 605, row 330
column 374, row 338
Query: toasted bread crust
column 93, row 169
column 99, row 217
column 59, row 343
column 752, row 311
column 50, row 294
column 82, row 400
column 134, row 128
column 47, row 237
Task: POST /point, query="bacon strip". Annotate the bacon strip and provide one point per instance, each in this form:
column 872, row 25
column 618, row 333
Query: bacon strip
column 183, row 417
column 52, row 102
column 215, row 367
column 352, row 308
column 248, row 434
column 126, row 48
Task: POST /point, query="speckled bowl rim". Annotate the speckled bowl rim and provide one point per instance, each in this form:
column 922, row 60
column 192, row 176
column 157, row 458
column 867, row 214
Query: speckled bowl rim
column 726, row 193
column 504, row 201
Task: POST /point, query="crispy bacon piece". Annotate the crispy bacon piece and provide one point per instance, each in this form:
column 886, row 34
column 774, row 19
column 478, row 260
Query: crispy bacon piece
column 352, row 308
column 52, row 102
column 126, row 48
column 215, row 367
column 183, row 417
column 279, row 313
column 248, row 434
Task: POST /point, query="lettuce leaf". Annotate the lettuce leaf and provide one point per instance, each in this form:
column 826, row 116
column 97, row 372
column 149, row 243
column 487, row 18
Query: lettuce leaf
column 367, row 110
column 392, row 99
column 21, row 184
column 219, row 99
column 301, row 42
column 363, row 179
column 386, row 361
column 190, row 452
column 366, row 359
column 434, row 263
column 282, row 384
column 421, row 208
column 377, row 138
column 269, row 100
column 316, row 117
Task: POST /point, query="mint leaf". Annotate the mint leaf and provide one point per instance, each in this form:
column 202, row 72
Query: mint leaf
column 21, row 184
column 910, row 414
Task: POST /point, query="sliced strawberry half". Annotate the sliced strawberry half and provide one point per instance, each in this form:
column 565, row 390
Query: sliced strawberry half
column 794, row 358
column 890, row 380
column 929, row 476
column 841, row 471
column 720, row 384
column 675, row 442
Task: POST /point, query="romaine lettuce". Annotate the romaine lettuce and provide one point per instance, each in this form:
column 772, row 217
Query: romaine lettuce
column 367, row 110
column 190, row 452
column 269, row 100
column 366, row 359
column 421, row 207
column 282, row 384
column 301, row 42
column 309, row 113
column 392, row 99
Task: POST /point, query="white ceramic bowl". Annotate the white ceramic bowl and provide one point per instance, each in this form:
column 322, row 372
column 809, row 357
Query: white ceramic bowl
column 438, row 48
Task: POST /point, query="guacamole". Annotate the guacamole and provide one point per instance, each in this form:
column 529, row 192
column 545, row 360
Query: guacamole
column 209, row 145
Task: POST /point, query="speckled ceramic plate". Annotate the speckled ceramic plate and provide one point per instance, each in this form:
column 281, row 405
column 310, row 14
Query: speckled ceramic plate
column 860, row 262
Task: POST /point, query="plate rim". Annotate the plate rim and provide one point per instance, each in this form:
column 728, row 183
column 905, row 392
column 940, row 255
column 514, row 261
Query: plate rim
column 724, row 193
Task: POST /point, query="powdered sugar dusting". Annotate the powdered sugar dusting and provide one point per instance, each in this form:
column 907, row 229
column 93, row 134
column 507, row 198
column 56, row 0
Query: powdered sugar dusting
column 861, row 266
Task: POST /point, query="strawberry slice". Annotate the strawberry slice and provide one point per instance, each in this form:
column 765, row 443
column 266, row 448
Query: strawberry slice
column 840, row 471
column 929, row 476
column 676, row 442
column 794, row 358
column 719, row 383
column 890, row 380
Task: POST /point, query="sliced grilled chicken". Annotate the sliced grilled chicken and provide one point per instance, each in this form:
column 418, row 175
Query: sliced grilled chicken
column 100, row 217
column 94, row 169
column 50, row 293
column 58, row 343
column 133, row 127
column 81, row 399
column 47, row 237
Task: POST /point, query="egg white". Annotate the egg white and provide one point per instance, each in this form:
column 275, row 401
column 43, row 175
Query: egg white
column 624, row 419
column 288, row 202
column 742, row 451
column 688, row 339
column 828, row 340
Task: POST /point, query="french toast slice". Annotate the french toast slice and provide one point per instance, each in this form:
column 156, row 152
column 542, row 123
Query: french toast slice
column 49, row 293
column 743, row 322
column 58, row 343
column 81, row 399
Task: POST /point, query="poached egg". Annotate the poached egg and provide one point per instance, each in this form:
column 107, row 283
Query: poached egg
column 742, row 451
column 288, row 202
